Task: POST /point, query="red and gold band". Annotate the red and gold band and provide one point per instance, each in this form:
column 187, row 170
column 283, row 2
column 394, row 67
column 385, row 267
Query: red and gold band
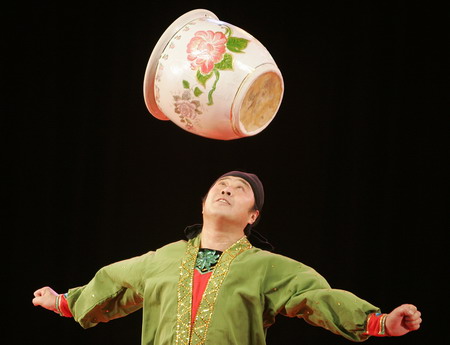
column 62, row 307
column 376, row 325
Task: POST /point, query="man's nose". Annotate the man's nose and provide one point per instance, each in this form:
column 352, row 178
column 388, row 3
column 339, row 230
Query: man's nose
column 226, row 191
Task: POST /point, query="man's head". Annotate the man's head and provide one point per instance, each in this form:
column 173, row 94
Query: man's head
column 236, row 197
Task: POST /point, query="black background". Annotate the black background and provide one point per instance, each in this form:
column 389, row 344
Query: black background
column 352, row 164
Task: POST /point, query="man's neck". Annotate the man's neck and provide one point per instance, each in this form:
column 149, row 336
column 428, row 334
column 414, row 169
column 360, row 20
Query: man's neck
column 216, row 239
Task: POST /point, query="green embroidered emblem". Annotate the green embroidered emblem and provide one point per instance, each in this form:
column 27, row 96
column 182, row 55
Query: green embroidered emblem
column 206, row 260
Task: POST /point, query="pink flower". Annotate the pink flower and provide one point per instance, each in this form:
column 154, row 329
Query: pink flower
column 205, row 49
column 185, row 107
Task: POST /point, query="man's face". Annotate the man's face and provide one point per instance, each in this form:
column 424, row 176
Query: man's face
column 231, row 197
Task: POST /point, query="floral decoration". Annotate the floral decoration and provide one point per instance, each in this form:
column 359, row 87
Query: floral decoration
column 187, row 108
column 206, row 260
column 210, row 53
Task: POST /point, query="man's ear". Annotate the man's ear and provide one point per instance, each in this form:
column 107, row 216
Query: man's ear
column 254, row 216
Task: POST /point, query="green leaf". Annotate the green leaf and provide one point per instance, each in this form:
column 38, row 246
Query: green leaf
column 186, row 84
column 203, row 78
column 197, row 92
column 236, row 44
column 226, row 63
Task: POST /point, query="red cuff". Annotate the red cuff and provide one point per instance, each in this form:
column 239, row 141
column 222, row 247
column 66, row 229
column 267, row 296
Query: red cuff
column 376, row 325
column 64, row 307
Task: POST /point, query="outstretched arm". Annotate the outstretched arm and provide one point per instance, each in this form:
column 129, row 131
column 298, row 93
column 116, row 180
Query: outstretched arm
column 402, row 320
column 115, row 291
column 339, row 311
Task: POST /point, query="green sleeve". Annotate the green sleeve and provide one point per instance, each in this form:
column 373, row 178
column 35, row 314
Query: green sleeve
column 115, row 291
column 296, row 290
column 338, row 311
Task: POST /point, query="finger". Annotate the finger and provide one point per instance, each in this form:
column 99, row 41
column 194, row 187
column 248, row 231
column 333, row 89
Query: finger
column 413, row 325
column 410, row 322
column 41, row 291
column 37, row 293
column 413, row 317
column 35, row 301
column 410, row 308
column 407, row 309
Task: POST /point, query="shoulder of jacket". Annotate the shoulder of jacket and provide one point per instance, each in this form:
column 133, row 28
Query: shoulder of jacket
column 173, row 247
column 270, row 258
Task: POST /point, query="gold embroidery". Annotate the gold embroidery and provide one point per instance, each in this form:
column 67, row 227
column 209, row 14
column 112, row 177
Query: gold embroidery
column 197, row 335
column 185, row 294
column 382, row 325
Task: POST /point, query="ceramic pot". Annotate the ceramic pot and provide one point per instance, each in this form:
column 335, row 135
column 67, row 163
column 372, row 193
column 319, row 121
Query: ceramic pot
column 212, row 78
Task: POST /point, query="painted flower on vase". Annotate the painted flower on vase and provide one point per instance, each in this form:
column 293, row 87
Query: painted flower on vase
column 206, row 49
column 209, row 53
column 187, row 108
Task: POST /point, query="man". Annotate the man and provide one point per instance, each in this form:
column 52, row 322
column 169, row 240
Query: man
column 218, row 289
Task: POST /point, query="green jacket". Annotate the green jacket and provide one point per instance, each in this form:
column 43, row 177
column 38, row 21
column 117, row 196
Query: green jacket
column 246, row 291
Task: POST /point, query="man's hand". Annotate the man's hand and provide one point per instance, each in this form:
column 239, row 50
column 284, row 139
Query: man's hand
column 45, row 297
column 402, row 320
